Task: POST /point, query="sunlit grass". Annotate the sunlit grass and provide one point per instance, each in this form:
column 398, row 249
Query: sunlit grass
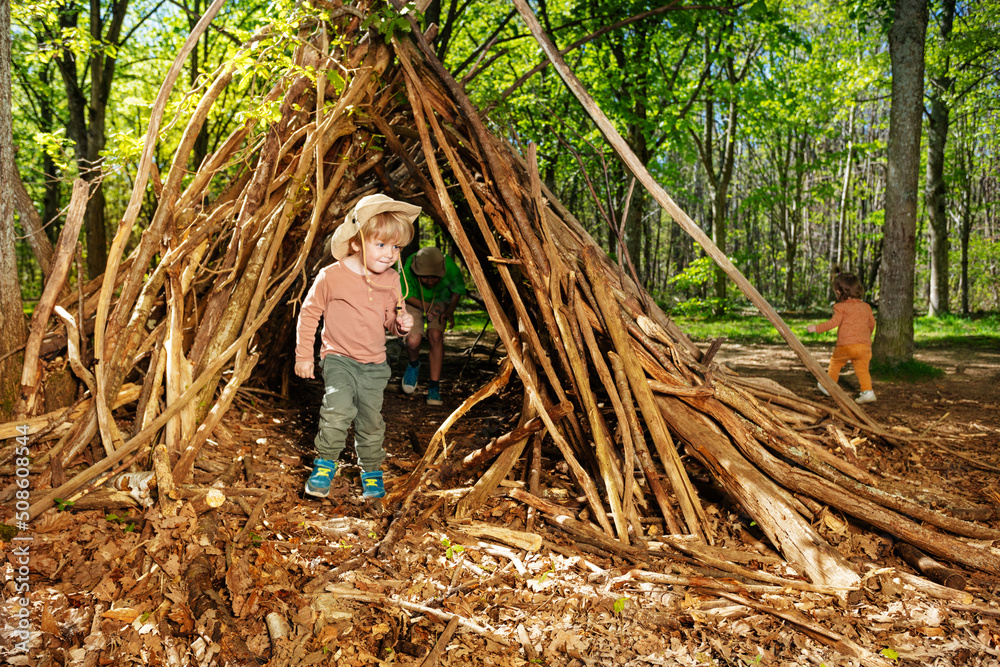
column 471, row 320
column 908, row 371
column 745, row 328
column 981, row 332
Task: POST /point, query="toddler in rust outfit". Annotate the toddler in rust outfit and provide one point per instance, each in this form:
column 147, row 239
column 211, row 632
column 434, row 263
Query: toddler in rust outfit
column 854, row 322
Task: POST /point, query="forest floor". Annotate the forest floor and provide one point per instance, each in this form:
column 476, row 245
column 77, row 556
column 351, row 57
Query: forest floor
column 125, row 588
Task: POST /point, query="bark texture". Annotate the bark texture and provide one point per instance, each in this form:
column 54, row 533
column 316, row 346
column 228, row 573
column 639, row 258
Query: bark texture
column 894, row 330
column 13, row 330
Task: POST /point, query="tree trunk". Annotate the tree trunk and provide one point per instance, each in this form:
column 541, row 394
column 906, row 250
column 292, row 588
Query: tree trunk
column 894, row 333
column 965, row 229
column 13, row 330
column 936, row 191
column 635, row 232
column 634, row 93
column 87, row 109
column 837, row 233
column 31, row 223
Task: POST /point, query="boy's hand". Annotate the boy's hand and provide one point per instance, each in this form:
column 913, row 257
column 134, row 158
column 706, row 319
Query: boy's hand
column 304, row 369
column 811, row 328
column 404, row 320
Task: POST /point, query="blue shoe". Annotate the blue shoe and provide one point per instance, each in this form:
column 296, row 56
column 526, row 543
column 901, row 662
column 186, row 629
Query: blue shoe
column 318, row 483
column 372, row 485
column 410, row 378
column 434, row 396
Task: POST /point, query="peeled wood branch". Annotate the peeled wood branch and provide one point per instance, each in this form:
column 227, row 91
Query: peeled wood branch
column 62, row 258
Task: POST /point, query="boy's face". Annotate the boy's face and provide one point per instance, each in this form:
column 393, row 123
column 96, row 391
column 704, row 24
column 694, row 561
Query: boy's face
column 379, row 255
column 429, row 281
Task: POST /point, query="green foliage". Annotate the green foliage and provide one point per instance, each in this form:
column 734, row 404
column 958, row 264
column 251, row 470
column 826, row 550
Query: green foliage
column 620, row 605
column 695, row 275
column 125, row 521
column 890, row 653
column 451, row 550
column 387, row 21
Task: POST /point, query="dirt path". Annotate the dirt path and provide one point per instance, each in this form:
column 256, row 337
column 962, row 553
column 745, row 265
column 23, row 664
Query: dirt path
column 966, row 399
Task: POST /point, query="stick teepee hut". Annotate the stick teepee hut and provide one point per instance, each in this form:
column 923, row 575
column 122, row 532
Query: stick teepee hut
column 182, row 314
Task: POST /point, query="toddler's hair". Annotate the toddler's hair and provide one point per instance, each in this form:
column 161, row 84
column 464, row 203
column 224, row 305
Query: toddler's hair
column 390, row 227
column 847, row 286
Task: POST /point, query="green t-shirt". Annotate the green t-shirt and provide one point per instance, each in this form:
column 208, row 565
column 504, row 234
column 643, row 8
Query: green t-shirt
column 451, row 283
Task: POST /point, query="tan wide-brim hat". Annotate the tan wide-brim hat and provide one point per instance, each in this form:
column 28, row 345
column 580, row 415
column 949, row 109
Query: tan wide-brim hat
column 428, row 262
column 340, row 244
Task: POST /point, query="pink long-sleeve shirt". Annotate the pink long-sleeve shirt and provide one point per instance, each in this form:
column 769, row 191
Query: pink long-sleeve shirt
column 355, row 314
column 853, row 320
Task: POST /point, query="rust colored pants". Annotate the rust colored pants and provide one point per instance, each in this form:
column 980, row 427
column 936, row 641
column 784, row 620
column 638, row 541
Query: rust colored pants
column 860, row 355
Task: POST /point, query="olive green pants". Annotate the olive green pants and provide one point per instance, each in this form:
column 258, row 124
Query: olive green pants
column 354, row 393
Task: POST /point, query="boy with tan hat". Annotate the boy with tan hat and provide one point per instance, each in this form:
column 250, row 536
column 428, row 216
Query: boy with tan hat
column 358, row 298
column 435, row 285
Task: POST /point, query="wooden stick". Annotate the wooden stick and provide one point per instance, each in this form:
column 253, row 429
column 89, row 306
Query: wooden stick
column 164, row 480
column 207, row 500
column 252, row 519
column 928, row 566
column 617, row 403
column 186, row 461
column 598, row 429
column 442, row 644
column 497, row 445
column 63, row 257
column 641, row 448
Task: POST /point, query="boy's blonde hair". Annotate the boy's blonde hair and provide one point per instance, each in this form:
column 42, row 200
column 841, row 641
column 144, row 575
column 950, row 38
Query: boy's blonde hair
column 375, row 217
column 847, row 286
column 390, row 227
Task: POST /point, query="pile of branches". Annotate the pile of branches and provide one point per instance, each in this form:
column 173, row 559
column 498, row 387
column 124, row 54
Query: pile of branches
column 179, row 321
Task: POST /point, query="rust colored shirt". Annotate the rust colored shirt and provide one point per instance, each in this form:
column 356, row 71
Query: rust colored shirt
column 854, row 322
column 355, row 314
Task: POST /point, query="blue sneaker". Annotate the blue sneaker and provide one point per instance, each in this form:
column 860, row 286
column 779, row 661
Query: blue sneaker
column 410, row 378
column 372, row 485
column 434, row 396
column 318, row 483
